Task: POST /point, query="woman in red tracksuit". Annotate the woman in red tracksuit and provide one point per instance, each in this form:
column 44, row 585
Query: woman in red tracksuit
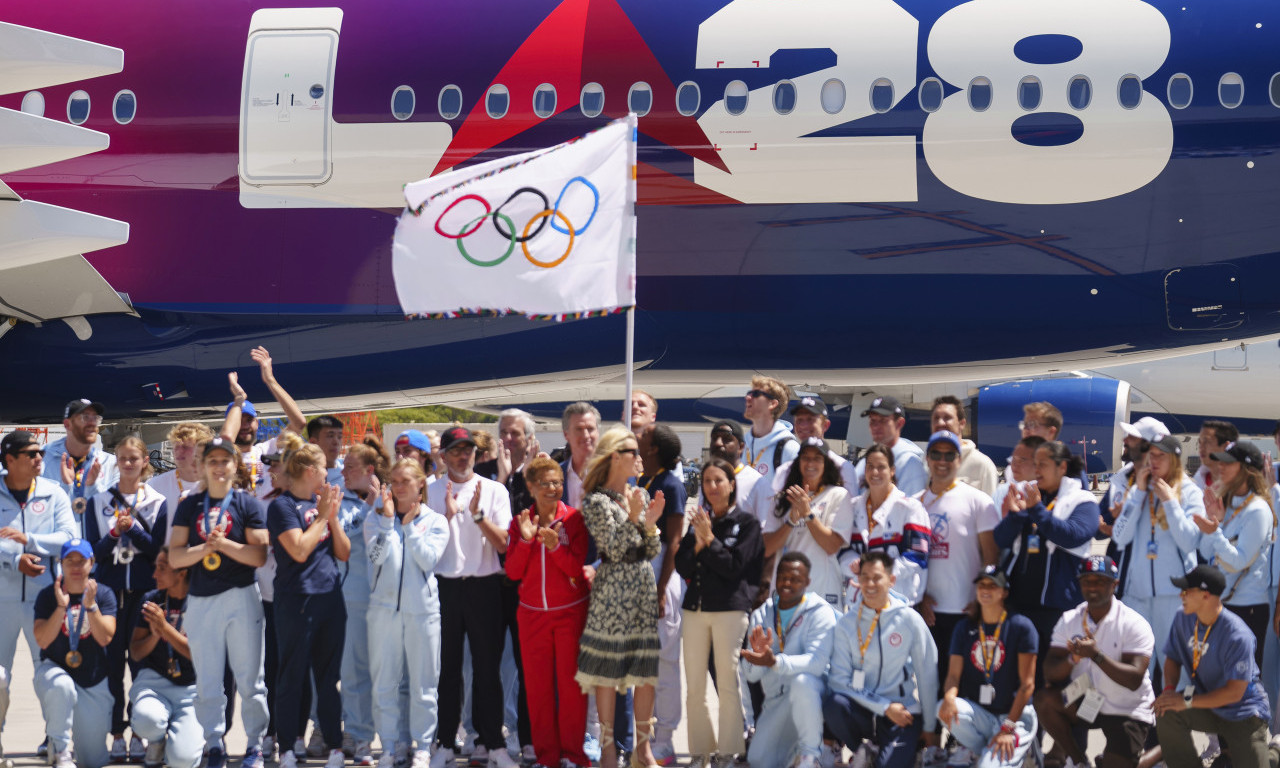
column 547, row 550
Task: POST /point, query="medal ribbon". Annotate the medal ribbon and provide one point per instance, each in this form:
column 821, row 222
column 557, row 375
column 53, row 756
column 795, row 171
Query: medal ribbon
column 177, row 625
column 73, row 636
column 82, row 469
column 1199, row 644
column 987, row 663
column 863, row 644
column 205, row 527
column 777, row 622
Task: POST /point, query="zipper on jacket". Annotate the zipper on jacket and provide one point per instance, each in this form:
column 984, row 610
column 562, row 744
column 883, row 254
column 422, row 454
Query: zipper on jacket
column 545, row 606
column 403, row 549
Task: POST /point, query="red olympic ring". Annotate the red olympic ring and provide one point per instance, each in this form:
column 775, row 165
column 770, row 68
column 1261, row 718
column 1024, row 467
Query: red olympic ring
column 478, row 222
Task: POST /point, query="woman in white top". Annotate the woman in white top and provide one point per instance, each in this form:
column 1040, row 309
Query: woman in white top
column 887, row 519
column 814, row 515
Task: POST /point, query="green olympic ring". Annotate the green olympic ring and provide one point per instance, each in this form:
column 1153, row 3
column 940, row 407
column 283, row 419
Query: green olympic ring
column 511, row 246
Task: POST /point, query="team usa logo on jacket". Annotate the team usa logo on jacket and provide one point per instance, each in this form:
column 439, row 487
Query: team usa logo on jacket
column 895, row 639
column 309, row 517
column 72, row 618
column 37, row 506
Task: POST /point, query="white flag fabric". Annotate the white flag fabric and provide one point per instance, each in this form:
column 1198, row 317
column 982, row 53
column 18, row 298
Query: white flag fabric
column 549, row 233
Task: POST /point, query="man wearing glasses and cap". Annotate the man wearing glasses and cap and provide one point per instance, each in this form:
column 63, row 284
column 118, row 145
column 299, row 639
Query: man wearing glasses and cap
column 35, row 521
column 885, row 418
column 809, row 415
column 78, row 461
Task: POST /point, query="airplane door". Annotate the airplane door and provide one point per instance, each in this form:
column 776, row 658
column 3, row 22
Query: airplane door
column 286, row 105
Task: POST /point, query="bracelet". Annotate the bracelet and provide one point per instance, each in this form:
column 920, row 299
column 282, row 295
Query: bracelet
column 1168, row 688
column 1008, row 726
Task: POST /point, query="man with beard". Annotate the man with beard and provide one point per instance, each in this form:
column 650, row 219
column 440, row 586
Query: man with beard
column 78, row 461
column 241, row 425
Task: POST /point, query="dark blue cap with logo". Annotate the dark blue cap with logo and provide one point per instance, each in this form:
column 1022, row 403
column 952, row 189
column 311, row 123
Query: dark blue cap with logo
column 1100, row 565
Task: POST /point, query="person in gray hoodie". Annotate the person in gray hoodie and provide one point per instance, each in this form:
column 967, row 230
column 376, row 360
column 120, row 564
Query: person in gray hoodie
column 883, row 681
column 789, row 648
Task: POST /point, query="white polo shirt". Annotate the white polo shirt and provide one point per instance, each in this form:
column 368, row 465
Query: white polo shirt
column 1123, row 630
column 469, row 553
column 573, row 487
column 955, row 557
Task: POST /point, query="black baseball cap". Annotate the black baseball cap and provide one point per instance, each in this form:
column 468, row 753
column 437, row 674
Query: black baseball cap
column 992, row 573
column 815, row 442
column 1239, row 453
column 1205, row 577
column 1168, row 444
column 219, row 444
column 886, row 406
column 76, row 406
column 17, row 440
column 732, row 426
column 810, row 404
column 455, row 435
column 1100, row 565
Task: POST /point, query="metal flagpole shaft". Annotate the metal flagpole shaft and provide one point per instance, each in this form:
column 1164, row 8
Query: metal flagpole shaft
column 631, row 354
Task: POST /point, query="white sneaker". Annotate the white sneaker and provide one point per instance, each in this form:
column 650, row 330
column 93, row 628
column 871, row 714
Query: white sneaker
column 501, row 759
column 422, row 758
column 119, row 750
column 289, row 760
column 65, row 759
column 387, row 759
column 480, row 755
column 336, row 759
column 443, row 757
column 362, row 753
column 960, row 758
column 154, row 756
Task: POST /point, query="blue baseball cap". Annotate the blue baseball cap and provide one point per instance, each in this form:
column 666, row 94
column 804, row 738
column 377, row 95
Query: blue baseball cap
column 247, row 409
column 944, row 436
column 414, row 438
column 1100, row 565
column 77, row 545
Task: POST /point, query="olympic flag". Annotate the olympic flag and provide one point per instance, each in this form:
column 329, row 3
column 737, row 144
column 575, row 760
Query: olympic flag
column 548, row 234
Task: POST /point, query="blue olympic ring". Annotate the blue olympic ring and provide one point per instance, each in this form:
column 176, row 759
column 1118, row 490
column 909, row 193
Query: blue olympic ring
column 595, row 206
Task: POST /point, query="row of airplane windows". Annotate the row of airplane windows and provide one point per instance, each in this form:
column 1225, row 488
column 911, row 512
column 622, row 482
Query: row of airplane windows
column 832, row 97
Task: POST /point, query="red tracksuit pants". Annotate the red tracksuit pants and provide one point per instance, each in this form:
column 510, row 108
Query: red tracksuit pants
column 557, row 705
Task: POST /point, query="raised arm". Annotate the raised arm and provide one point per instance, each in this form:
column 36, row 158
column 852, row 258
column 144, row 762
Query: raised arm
column 297, row 422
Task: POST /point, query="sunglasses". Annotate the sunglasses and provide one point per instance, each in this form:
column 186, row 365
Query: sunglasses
column 36, row 452
column 943, row 455
column 758, row 393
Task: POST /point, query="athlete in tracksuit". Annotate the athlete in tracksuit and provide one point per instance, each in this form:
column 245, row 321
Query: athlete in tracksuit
column 357, row 681
column 800, row 637
column 404, row 612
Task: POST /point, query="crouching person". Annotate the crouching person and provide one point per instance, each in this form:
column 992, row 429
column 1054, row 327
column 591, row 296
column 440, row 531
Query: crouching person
column 74, row 624
column 884, row 671
column 164, row 687
column 790, row 645
column 990, row 679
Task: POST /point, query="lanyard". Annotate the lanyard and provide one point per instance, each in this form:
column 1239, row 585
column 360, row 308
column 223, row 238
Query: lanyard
column 649, row 484
column 82, row 469
column 863, row 644
column 177, row 625
column 205, row 527
column 756, row 459
column 777, row 622
column 22, row 507
column 119, row 497
column 928, row 506
column 1235, row 511
column 738, row 468
column 1197, row 648
column 987, row 662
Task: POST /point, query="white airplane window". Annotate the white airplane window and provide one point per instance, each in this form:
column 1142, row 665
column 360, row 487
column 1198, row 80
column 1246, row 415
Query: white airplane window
column 1180, row 91
column 832, row 96
column 403, row 103
column 591, row 100
column 784, row 97
column 33, row 103
column 1079, row 92
column 1231, row 90
column 979, row 94
column 497, row 100
column 1129, row 92
column 78, row 107
column 1029, row 93
column 640, row 99
column 931, row 94
column 688, row 98
column 124, row 107
column 544, row 100
column 735, row 97
column 450, row 102
column 1275, row 90
column 882, row 95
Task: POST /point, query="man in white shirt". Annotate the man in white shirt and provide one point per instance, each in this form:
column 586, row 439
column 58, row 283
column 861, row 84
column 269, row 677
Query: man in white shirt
column 976, row 468
column 187, row 439
column 580, row 423
column 885, row 419
column 470, row 577
column 1107, row 646
column 241, row 423
column 726, row 442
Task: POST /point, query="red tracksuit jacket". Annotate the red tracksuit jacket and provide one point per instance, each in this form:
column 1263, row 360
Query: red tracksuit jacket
column 550, row 578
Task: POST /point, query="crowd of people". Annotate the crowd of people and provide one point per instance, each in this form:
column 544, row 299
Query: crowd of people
column 478, row 597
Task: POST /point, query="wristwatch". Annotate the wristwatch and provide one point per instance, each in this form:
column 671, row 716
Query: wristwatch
column 1188, row 695
column 810, row 516
column 477, row 517
column 92, row 608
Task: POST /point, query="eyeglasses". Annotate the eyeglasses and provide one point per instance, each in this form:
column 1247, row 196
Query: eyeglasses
column 758, row 393
column 88, row 418
column 632, row 451
column 1025, row 425
column 32, row 454
column 549, row 484
column 943, row 455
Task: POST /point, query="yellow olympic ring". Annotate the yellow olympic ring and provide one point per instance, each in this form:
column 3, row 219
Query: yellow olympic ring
column 525, row 244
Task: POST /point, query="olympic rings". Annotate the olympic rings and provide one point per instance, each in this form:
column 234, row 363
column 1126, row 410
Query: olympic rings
column 532, row 229
column 545, row 204
column 594, row 207
column 510, row 246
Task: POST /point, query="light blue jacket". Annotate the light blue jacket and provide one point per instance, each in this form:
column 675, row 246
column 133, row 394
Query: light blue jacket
column 1240, row 547
column 1175, row 545
column 911, row 475
column 355, row 582
column 404, row 560
column 48, row 524
column 759, row 451
column 108, row 476
column 901, row 663
column 808, row 643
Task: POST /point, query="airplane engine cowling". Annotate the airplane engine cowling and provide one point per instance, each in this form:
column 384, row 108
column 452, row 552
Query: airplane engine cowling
column 1092, row 409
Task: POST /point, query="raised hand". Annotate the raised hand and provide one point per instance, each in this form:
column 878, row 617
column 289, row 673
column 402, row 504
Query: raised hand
column 263, row 358
column 475, row 501
column 799, row 499
column 124, row 521
column 58, row 594
column 90, row 593
column 450, row 501
column 68, row 469
column 237, row 392
column 635, row 503
column 528, row 528
column 330, row 498
column 550, row 537
column 1032, row 495
column 1163, row 490
column 1207, row 525
column 91, row 476
column 388, row 508
column 504, row 463
column 656, row 505
column 1213, row 507
column 154, row 616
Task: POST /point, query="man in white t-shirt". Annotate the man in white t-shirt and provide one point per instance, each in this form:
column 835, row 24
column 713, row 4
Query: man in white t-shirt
column 1109, row 645
column 962, row 520
column 470, row 578
column 187, row 440
column 241, row 423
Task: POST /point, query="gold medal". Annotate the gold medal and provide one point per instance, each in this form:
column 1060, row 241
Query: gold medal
column 174, row 671
column 212, row 561
column 78, row 506
column 74, row 659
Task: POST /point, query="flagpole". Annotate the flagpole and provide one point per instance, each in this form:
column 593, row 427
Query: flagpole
column 634, row 122
column 631, row 354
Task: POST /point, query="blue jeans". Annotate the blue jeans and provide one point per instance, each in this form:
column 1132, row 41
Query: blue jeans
column 975, row 727
column 853, row 723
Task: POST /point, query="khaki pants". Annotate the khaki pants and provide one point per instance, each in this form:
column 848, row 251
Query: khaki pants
column 721, row 631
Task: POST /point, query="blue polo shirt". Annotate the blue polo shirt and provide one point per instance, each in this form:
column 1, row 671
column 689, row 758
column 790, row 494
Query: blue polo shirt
column 1017, row 636
column 1227, row 655
column 318, row 574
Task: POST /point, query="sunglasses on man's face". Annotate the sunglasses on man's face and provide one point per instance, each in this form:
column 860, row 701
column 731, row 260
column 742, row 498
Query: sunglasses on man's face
column 943, row 455
column 758, row 393
column 31, row 454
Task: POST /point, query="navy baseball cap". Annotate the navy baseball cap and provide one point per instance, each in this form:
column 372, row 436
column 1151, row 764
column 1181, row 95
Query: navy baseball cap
column 17, row 440
column 77, row 545
column 1205, row 577
column 814, row 442
column 1239, row 453
column 992, row 573
column 247, row 409
column 219, row 444
column 1100, row 565
column 945, row 436
column 810, row 404
column 76, row 406
column 886, row 406
column 732, row 426
column 1168, row 444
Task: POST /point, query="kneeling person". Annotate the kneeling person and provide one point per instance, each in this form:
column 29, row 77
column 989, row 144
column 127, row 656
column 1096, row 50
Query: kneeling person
column 884, row 671
column 790, row 645
column 990, row 679
column 164, row 690
column 1225, row 696
column 74, row 624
